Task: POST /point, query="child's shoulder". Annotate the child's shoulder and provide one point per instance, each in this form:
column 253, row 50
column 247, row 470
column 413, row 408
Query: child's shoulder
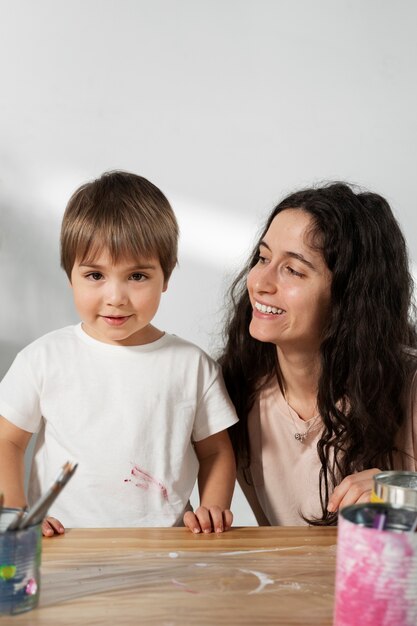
column 188, row 350
column 188, row 363
column 55, row 338
column 176, row 342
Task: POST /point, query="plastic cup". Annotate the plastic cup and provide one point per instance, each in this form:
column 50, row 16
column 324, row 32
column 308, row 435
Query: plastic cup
column 20, row 559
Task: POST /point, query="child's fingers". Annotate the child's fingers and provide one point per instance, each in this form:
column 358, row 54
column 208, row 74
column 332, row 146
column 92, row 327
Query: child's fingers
column 227, row 519
column 214, row 519
column 50, row 526
column 191, row 522
column 47, row 530
column 203, row 516
column 56, row 525
column 217, row 523
column 207, row 520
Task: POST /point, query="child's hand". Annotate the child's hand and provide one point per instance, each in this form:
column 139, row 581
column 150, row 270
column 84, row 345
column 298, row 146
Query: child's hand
column 52, row 526
column 353, row 489
column 207, row 520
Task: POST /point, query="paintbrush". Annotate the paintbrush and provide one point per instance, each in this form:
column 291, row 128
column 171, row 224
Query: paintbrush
column 38, row 511
column 14, row 524
column 1, row 502
column 379, row 521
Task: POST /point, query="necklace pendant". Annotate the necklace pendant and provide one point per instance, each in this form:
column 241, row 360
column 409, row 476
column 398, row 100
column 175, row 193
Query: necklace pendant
column 300, row 437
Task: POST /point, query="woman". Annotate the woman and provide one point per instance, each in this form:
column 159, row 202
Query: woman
column 320, row 356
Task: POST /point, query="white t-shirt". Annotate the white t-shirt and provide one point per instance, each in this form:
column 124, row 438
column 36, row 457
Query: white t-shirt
column 127, row 414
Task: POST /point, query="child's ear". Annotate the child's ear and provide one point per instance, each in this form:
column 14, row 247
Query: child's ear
column 165, row 287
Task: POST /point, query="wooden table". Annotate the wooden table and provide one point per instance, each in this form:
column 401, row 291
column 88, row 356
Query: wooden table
column 169, row 577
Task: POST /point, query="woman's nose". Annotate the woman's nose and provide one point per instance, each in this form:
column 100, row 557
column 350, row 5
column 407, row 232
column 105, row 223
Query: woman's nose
column 265, row 281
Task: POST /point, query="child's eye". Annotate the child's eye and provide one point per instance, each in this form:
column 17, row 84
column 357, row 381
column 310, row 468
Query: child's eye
column 95, row 276
column 293, row 272
column 137, row 276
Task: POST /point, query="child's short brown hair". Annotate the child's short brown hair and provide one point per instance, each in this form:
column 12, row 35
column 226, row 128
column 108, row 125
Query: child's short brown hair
column 124, row 213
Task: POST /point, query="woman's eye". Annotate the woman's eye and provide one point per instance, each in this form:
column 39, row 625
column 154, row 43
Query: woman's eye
column 293, row 272
column 95, row 276
column 137, row 276
column 261, row 259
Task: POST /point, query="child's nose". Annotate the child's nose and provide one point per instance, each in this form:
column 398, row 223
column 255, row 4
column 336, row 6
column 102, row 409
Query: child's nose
column 116, row 294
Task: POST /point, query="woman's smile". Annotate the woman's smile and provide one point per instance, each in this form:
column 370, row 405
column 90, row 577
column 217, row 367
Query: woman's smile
column 267, row 309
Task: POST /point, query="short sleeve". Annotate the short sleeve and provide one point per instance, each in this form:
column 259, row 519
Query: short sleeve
column 20, row 397
column 215, row 411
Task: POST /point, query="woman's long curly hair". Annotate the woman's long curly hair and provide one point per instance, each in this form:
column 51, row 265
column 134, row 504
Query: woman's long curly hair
column 366, row 366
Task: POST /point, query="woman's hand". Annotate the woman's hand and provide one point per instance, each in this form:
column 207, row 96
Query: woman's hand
column 353, row 489
column 51, row 526
column 209, row 519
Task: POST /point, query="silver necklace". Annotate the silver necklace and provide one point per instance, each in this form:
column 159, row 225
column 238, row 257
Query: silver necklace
column 301, row 436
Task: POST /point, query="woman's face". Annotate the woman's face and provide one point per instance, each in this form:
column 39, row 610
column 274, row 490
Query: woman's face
column 289, row 287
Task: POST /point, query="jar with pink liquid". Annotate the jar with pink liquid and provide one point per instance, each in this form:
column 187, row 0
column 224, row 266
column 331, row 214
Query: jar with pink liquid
column 376, row 567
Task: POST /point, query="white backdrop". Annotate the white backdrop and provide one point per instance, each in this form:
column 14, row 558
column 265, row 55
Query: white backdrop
column 227, row 105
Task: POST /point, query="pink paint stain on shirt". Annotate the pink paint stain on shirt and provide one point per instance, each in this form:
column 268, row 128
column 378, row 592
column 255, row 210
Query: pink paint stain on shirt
column 145, row 481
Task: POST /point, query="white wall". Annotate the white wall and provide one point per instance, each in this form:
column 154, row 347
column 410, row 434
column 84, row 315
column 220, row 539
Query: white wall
column 226, row 105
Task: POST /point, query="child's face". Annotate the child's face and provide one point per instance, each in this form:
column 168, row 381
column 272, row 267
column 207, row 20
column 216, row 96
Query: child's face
column 117, row 302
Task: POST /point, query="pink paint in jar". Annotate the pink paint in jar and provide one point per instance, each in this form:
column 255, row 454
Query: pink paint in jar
column 376, row 566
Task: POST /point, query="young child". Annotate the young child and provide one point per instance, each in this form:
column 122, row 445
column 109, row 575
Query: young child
column 142, row 412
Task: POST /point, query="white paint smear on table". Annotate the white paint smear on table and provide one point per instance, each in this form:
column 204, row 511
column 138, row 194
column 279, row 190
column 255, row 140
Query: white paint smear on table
column 260, row 550
column 264, row 580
